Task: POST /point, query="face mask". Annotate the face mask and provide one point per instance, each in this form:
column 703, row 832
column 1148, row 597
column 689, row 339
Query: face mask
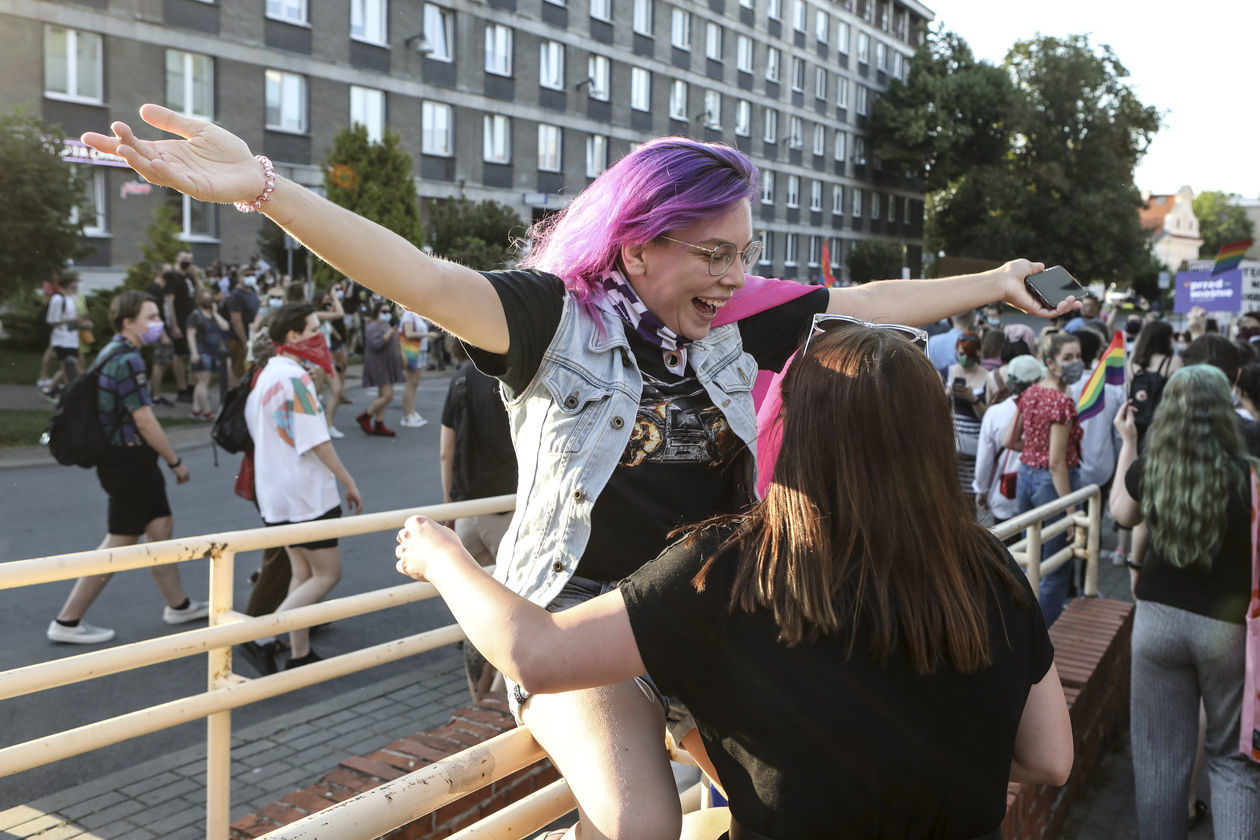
column 251, row 281
column 275, row 303
column 1071, row 372
column 993, row 322
column 965, row 361
column 385, row 317
column 152, row 333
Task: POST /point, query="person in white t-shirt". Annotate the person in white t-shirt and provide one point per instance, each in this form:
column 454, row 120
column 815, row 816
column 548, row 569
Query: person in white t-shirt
column 296, row 473
column 993, row 456
column 413, row 340
column 65, row 320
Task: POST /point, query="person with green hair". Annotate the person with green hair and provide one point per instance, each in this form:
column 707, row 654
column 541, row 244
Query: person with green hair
column 1191, row 487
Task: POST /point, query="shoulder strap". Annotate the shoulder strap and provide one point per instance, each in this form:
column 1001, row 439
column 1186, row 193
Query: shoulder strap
column 1163, row 366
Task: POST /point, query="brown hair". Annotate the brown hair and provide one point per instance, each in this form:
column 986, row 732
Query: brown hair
column 126, row 307
column 864, row 531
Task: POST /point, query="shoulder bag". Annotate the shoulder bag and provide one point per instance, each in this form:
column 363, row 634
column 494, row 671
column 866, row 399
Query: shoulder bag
column 1249, row 735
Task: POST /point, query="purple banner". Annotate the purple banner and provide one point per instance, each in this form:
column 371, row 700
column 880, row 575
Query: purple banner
column 1215, row 293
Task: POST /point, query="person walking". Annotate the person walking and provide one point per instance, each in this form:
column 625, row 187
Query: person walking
column 994, row 455
column 129, row 472
column 382, row 367
column 413, row 340
column 206, row 331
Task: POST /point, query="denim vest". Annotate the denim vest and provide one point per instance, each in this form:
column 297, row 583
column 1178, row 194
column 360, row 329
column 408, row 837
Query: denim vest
column 570, row 426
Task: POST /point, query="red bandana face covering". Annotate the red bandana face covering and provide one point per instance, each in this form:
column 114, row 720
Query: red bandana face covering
column 314, row 350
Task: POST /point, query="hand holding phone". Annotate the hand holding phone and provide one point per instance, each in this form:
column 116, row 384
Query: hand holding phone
column 1052, row 286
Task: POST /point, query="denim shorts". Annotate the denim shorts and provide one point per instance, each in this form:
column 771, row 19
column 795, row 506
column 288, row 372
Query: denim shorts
column 678, row 720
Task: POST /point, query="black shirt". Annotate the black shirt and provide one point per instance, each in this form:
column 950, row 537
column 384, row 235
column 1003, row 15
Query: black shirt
column 808, row 745
column 683, row 463
column 484, row 461
column 183, row 291
column 1221, row 591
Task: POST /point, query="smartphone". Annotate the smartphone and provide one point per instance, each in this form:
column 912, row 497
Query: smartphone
column 1052, row 286
column 960, row 384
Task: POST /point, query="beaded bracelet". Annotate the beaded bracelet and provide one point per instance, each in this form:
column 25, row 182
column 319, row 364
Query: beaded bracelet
column 270, row 173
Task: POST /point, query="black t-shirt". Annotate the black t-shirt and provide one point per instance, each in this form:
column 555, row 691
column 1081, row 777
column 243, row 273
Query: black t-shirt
column 183, row 290
column 484, row 460
column 157, row 291
column 683, row 463
column 808, row 745
column 1221, row 591
column 244, row 300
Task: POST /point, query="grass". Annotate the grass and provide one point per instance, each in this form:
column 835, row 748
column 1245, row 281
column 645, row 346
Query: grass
column 23, row 426
column 19, row 367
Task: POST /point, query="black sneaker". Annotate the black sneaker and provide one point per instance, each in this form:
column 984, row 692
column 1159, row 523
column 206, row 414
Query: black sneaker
column 310, row 657
column 160, row 400
column 261, row 657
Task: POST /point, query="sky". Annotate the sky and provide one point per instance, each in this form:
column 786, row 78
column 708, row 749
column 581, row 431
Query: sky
column 1197, row 65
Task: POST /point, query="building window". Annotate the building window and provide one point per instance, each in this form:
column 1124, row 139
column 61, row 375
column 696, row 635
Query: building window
column 905, row 207
column 864, row 48
column 713, row 41
column 861, row 99
column 744, row 53
column 498, row 49
column 842, row 37
column 73, row 63
column 596, row 154
column 190, row 83
column 767, row 247
column 437, row 129
column 598, row 70
column 820, row 83
column 743, row 118
column 794, row 191
column 772, row 64
column 820, row 139
column 197, row 220
column 642, row 21
column 92, row 213
column 601, row 9
column 290, row 11
column 439, row 32
column 678, row 100
column 286, row 101
column 367, row 108
column 815, row 196
column 857, row 202
column 798, row 15
column 883, row 16
column 496, row 139
column 551, row 65
column 859, row 151
column 899, row 66
column 774, row 10
column 881, row 56
column 839, row 145
column 771, row 134
column 680, row 29
column 798, row 74
column 815, row 251
column 789, row 249
column 367, row 21
column 767, row 187
column 822, row 26
column 796, row 133
column 876, row 201
column 747, row 4
column 712, row 109
column 640, row 89
column 842, row 92
column 837, row 200
column 549, row 148
column 557, row 2
column 834, row 256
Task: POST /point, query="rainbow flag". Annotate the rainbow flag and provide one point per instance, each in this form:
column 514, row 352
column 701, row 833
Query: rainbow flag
column 829, row 277
column 1230, row 256
column 1110, row 371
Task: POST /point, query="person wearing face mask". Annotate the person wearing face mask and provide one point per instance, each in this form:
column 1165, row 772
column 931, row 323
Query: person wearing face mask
column 206, row 331
column 129, row 471
column 382, row 367
column 967, row 379
column 1049, row 466
column 241, row 308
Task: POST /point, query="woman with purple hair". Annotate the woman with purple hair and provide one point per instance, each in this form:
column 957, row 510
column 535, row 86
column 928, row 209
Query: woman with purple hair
column 632, row 410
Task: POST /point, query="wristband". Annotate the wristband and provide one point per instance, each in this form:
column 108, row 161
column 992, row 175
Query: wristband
column 179, row 462
column 269, row 173
column 1137, row 567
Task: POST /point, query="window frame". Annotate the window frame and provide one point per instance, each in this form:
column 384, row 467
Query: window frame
column 96, row 193
column 770, row 124
column 839, row 146
column 767, row 247
column 186, row 234
column 72, row 74
column 429, row 109
column 798, row 74
column 678, row 100
column 302, row 18
column 599, row 77
column 551, row 58
column 796, row 132
column 863, row 48
column 844, row 34
column 820, row 82
column 644, row 87
column 743, row 118
column 382, row 21
column 791, row 245
column 304, row 120
column 800, row 16
column 822, row 25
column 837, row 199
column 743, row 53
column 815, row 196
column 819, row 143
column 714, row 36
column 680, row 29
column 496, row 131
column 498, row 35
column 605, row 9
column 642, row 18
column 596, row 147
column 547, row 128
column 767, row 186
column 189, row 75
column 376, row 134
column 712, row 109
column 774, row 59
column 856, row 202
column 814, row 251
column 446, row 18
column 793, row 195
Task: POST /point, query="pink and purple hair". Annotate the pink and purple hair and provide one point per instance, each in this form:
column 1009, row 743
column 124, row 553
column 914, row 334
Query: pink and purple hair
column 664, row 185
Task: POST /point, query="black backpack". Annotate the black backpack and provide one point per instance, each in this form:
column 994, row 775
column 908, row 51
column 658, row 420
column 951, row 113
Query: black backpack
column 230, row 431
column 74, row 434
column 1145, row 390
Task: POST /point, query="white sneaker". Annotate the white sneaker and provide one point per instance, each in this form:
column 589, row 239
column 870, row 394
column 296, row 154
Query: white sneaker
column 192, row 612
column 335, row 433
column 415, row 421
column 81, row 634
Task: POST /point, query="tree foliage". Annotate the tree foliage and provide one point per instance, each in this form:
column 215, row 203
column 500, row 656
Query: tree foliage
column 1035, row 158
column 41, row 194
column 874, row 259
column 161, row 245
column 481, row 236
column 373, row 180
column 1220, row 222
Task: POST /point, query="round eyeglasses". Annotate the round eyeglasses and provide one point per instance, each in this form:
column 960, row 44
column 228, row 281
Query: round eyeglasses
column 721, row 257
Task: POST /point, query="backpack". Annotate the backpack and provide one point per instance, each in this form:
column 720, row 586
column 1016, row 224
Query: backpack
column 230, row 431
column 74, row 433
column 1145, row 390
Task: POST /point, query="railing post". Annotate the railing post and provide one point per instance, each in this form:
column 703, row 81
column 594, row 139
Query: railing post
column 1032, row 549
column 219, row 724
column 1091, row 545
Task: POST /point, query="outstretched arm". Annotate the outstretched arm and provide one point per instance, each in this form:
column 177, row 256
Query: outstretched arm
column 591, row 644
column 210, row 163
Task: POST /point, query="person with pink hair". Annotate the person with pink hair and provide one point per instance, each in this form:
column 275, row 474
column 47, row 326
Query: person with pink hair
column 631, row 408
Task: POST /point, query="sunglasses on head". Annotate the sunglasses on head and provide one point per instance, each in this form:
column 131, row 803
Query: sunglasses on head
column 825, row 322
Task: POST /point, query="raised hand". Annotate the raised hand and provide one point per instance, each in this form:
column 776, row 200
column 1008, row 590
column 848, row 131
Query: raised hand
column 209, row 163
column 1018, row 296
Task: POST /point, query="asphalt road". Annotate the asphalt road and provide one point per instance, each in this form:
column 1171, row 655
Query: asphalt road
column 54, row 509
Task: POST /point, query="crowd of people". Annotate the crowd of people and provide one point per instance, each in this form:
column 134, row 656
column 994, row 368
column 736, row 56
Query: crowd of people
column 891, row 680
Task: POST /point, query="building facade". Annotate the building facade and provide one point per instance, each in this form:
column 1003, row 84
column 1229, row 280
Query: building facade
column 519, row 101
column 1173, row 227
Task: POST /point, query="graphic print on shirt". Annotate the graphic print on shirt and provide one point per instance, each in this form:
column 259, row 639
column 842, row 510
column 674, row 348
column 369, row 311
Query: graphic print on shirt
column 302, row 403
column 678, row 423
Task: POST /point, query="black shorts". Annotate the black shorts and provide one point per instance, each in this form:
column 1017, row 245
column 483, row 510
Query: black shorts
column 335, row 513
column 137, row 491
column 64, row 353
column 180, row 345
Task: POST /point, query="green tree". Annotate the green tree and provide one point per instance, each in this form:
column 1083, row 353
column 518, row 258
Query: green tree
column 373, row 180
column 874, row 259
column 1220, row 222
column 41, row 195
column 161, row 245
column 481, row 236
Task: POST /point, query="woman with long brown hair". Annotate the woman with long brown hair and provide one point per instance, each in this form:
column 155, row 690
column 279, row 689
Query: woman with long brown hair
column 862, row 658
